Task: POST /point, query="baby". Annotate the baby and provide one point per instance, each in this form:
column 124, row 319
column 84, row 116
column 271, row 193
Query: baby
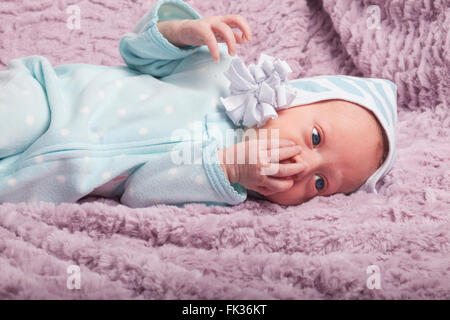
column 340, row 145
column 151, row 132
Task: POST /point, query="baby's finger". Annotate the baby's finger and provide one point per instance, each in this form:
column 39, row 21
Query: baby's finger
column 238, row 37
column 276, row 155
column 275, row 143
column 285, row 169
column 278, row 185
column 226, row 34
column 211, row 42
column 240, row 22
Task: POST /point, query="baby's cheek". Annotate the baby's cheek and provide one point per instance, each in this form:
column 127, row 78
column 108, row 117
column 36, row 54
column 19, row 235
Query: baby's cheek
column 301, row 192
column 289, row 197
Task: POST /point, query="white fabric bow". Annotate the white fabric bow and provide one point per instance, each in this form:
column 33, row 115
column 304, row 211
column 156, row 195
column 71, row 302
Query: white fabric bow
column 257, row 91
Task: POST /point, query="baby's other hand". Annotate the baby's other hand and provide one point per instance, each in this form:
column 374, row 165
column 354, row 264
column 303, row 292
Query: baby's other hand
column 212, row 30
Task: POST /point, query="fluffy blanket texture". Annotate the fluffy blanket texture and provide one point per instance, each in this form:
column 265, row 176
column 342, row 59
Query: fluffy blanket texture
column 257, row 250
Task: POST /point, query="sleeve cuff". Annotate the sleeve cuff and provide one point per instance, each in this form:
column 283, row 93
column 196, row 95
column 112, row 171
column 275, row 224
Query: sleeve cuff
column 170, row 10
column 232, row 193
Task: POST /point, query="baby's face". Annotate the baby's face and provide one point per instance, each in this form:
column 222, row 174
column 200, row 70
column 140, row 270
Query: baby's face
column 341, row 146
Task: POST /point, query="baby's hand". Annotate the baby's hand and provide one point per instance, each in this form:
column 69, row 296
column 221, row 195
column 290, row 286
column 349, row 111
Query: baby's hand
column 212, row 30
column 257, row 165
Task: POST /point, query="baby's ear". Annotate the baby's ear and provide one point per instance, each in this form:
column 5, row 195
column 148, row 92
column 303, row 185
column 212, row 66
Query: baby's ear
column 385, row 146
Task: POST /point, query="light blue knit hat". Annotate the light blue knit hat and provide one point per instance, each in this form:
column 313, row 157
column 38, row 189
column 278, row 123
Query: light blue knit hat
column 257, row 92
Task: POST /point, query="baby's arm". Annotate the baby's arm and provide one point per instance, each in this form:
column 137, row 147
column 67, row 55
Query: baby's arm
column 256, row 167
column 172, row 31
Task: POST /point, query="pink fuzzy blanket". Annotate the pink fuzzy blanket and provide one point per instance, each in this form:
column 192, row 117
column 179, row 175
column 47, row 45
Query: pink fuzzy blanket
column 394, row 245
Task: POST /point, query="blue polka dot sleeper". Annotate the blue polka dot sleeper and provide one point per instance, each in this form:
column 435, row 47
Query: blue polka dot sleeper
column 74, row 130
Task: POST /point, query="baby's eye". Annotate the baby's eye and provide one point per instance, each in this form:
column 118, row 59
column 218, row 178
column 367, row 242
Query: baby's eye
column 320, row 183
column 315, row 137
